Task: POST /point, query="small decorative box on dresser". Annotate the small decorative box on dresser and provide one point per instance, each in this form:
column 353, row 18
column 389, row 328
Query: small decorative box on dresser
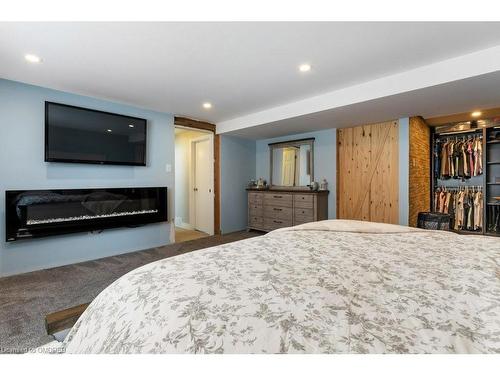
column 273, row 209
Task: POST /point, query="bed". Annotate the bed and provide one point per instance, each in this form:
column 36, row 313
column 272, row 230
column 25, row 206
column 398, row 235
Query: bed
column 334, row 286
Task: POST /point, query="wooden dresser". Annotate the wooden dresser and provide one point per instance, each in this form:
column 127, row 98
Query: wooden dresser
column 273, row 209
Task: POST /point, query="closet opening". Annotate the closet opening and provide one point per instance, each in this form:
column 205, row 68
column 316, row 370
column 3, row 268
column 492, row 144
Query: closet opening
column 465, row 169
column 194, row 183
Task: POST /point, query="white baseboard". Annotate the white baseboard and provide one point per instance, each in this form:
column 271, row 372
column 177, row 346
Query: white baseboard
column 181, row 224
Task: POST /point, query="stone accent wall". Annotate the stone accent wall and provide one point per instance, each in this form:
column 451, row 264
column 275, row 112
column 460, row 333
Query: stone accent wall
column 420, row 169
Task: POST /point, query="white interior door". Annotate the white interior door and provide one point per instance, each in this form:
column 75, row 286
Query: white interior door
column 203, row 185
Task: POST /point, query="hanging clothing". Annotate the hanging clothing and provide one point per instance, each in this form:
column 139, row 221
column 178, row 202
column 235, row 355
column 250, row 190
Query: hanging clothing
column 442, row 200
column 458, row 158
column 445, row 161
column 437, row 159
column 469, row 212
column 478, row 157
column 465, row 159
column 451, row 209
column 459, row 212
column 452, row 151
column 465, row 207
column 447, row 203
column 478, row 211
column 470, row 155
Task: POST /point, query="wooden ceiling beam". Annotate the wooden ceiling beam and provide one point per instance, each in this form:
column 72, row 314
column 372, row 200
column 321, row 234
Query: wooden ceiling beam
column 191, row 123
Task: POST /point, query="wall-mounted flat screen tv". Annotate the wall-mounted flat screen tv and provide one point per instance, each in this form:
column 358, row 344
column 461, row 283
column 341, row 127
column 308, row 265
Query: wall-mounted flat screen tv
column 82, row 135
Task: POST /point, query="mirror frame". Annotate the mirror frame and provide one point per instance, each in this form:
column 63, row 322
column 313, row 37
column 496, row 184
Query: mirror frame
column 297, row 142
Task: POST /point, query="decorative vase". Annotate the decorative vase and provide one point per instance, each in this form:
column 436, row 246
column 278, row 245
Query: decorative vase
column 324, row 185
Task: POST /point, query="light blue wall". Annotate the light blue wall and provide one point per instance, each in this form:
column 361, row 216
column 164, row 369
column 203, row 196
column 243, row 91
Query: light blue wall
column 237, row 164
column 236, row 154
column 22, row 166
column 325, row 160
column 404, row 170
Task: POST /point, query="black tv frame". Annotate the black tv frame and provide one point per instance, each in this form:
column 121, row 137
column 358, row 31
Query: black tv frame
column 58, row 160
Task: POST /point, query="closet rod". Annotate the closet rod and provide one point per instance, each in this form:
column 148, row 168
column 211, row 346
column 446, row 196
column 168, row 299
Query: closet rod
column 463, row 187
column 461, row 132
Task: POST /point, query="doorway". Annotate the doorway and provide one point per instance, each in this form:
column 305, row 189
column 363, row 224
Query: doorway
column 194, row 180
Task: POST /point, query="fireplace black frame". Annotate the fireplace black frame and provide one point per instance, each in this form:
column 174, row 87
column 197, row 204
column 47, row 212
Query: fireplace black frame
column 17, row 229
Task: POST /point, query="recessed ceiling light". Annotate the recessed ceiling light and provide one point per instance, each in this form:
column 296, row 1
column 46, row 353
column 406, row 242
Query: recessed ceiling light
column 207, row 105
column 130, row 125
column 476, row 114
column 109, row 130
column 304, row 67
column 32, row 58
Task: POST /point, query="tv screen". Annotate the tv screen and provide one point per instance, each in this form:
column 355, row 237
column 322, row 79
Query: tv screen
column 81, row 135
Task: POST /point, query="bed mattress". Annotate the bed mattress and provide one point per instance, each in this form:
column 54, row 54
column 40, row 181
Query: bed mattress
column 335, row 286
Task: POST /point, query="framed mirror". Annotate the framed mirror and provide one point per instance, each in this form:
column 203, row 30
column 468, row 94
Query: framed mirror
column 292, row 163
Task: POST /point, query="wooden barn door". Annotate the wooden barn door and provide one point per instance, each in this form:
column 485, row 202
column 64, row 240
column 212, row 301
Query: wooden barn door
column 367, row 173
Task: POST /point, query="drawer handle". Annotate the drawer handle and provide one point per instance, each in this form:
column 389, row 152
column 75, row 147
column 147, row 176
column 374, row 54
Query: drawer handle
column 277, row 222
column 277, row 209
column 303, row 198
column 278, row 196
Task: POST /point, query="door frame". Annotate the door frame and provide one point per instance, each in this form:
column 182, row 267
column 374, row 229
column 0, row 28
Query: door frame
column 192, row 181
column 202, row 125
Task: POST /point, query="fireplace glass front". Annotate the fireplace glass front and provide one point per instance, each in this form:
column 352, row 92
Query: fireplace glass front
column 37, row 213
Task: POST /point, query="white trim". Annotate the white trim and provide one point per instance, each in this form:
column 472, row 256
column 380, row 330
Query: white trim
column 179, row 223
column 172, row 232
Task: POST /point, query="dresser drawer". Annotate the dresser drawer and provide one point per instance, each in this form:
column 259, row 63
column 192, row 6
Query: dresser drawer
column 272, row 224
column 277, row 212
column 303, row 215
column 255, row 198
column 255, row 209
column 256, row 221
column 304, row 200
column 273, row 209
column 276, row 199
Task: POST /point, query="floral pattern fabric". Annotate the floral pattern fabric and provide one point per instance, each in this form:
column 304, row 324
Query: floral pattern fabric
column 319, row 288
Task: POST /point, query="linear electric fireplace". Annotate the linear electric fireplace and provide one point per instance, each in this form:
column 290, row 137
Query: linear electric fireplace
column 39, row 213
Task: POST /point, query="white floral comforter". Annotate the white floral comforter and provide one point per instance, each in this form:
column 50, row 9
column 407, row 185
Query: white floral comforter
column 330, row 287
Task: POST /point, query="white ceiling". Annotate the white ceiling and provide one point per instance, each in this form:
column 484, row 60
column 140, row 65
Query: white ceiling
column 241, row 68
column 467, row 95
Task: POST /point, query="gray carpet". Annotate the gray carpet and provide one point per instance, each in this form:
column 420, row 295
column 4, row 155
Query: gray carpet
column 26, row 299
